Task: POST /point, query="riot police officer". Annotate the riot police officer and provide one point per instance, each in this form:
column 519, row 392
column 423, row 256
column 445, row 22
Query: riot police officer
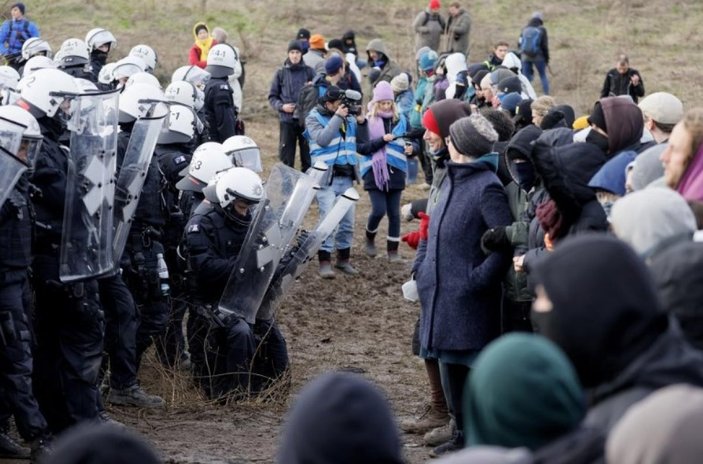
column 100, row 42
column 219, row 103
column 15, row 294
column 68, row 318
column 74, row 59
column 228, row 354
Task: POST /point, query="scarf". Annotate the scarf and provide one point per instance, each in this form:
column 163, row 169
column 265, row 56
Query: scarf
column 379, row 161
column 204, row 46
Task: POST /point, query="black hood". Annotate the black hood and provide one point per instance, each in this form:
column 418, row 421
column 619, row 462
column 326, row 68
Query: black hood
column 679, row 281
column 101, row 444
column 605, row 308
column 520, row 146
column 343, row 419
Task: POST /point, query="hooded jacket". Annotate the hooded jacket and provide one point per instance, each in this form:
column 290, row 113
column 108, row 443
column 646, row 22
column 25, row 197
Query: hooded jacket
column 652, row 218
column 676, row 272
column 624, row 123
column 522, row 391
column 566, row 171
column 647, row 167
column 340, row 418
column 197, row 56
column 673, row 418
column 390, row 69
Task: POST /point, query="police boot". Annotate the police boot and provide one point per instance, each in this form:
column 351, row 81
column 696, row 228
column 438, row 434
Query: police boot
column 325, row 258
column 10, row 449
column 134, row 396
column 370, row 246
column 393, row 255
column 343, row 263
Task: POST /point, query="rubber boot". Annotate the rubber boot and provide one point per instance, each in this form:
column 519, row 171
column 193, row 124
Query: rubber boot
column 370, row 246
column 325, row 258
column 393, row 255
column 343, row 263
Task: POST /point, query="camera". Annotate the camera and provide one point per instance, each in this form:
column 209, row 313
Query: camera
column 352, row 100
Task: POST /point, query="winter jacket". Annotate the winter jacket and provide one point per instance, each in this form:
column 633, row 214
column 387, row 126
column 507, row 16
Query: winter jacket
column 620, row 84
column 667, row 360
column 624, row 122
column 543, row 54
column 13, row 34
column 396, row 159
column 405, row 102
column 315, row 59
column 458, row 31
column 458, row 285
column 196, row 57
column 286, row 85
column 390, row 69
column 607, row 318
column 429, row 28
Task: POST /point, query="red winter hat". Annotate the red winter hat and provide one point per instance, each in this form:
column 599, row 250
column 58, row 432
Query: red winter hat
column 429, row 122
column 434, row 5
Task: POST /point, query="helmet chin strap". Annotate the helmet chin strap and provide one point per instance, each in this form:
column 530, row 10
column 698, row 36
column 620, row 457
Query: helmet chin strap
column 235, row 217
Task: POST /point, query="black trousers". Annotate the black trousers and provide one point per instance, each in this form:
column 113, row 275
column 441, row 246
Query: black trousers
column 120, row 331
column 16, row 363
column 290, row 134
column 69, row 329
column 454, row 378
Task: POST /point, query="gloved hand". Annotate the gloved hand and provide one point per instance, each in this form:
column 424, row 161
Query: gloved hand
column 495, row 239
column 412, row 239
column 406, row 212
column 424, row 225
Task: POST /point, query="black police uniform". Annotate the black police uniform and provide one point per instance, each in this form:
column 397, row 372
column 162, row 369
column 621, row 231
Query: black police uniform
column 98, row 58
column 68, row 318
column 173, row 158
column 15, row 301
column 222, row 348
column 221, row 112
column 140, row 264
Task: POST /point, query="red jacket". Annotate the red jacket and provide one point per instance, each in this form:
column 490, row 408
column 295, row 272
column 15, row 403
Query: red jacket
column 194, row 55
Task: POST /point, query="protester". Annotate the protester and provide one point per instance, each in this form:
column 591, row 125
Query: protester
column 105, row 444
column 683, row 157
column 429, row 26
column 14, row 32
column 458, row 30
column 534, row 50
column 197, row 55
column 378, row 57
column 456, row 324
column 623, row 80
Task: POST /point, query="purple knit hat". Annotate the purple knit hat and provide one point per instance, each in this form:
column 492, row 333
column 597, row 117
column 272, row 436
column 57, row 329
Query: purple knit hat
column 382, row 91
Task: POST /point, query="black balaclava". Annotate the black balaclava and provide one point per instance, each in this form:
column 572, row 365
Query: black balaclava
column 605, row 312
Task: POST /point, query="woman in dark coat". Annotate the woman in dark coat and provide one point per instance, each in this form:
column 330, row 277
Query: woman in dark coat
column 459, row 285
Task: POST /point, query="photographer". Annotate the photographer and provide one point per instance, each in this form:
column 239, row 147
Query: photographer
column 384, row 167
column 331, row 130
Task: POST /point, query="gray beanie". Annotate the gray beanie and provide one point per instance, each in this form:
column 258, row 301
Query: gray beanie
column 473, row 136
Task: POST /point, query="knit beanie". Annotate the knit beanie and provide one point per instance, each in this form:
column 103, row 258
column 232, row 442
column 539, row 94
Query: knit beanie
column 440, row 115
column 303, row 34
column 598, row 118
column 473, row 136
column 382, row 92
column 295, row 45
column 333, row 64
column 20, row 6
column 510, row 101
column 399, row 83
column 434, row 5
column 428, row 60
column 317, row 42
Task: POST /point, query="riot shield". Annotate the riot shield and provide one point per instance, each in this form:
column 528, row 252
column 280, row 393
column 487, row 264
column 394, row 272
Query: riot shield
column 86, row 245
column 140, row 149
column 11, row 167
column 295, row 261
column 289, row 194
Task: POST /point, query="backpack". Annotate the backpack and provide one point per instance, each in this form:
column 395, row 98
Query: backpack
column 307, row 99
column 531, row 41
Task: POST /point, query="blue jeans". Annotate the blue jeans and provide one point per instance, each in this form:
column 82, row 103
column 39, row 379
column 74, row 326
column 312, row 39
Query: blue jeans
column 541, row 69
column 341, row 238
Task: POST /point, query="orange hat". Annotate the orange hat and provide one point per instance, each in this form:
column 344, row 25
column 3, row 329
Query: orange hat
column 317, row 42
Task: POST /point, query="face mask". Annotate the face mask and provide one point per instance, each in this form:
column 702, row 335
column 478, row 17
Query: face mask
column 100, row 56
column 524, row 173
column 598, row 139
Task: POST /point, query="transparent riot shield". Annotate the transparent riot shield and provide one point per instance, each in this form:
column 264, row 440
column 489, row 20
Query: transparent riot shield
column 86, row 245
column 11, row 166
column 289, row 194
column 305, row 249
column 140, row 149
